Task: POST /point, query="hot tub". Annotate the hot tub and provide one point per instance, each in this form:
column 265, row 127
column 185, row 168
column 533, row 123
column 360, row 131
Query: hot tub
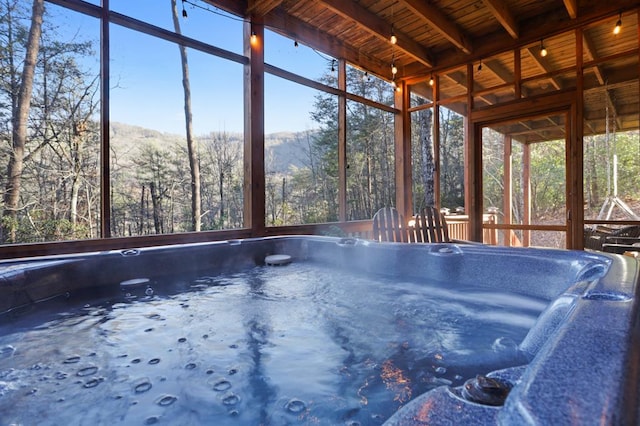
column 319, row 330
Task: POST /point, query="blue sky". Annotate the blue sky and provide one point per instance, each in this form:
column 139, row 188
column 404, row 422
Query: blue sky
column 146, row 76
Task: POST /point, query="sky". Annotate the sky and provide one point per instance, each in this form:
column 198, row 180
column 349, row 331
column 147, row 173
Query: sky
column 146, row 76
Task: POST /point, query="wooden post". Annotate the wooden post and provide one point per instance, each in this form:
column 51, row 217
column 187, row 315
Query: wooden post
column 473, row 167
column 526, row 183
column 254, row 175
column 508, row 192
column 436, row 144
column 342, row 141
column 105, row 158
column 574, row 126
column 402, row 124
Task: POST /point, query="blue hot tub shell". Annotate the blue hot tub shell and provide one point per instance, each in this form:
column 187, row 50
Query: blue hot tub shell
column 583, row 350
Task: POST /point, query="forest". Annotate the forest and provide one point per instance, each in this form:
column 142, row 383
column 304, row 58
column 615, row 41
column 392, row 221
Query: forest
column 50, row 146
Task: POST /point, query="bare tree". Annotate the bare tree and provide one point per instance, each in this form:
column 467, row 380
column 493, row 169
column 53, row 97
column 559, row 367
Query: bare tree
column 192, row 148
column 19, row 126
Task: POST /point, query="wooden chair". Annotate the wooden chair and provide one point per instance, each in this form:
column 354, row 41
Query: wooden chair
column 430, row 226
column 389, row 225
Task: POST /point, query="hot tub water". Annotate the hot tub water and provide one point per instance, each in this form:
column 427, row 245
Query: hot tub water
column 297, row 344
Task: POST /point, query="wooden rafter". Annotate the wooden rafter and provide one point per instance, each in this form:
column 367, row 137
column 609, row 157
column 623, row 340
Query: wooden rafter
column 440, row 23
column 262, row 7
column 544, row 65
column 379, row 28
column 590, row 52
column 322, row 41
column 502, row 13
column 572, row 8
column 499, row 71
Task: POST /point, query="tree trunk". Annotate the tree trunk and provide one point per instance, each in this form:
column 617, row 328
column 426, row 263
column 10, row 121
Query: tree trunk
column 194, row 165
column 426, row 147
column 19, row 124
column 76, row 164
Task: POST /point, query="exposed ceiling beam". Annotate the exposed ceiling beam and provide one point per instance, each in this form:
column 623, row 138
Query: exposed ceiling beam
column 502, row 13
column 378, row 27
column 460, row 79
column 440, row 23
column 572, row 8
column 299, row 30
column 499, row 70
column 590, row 52
column 543, row 64
column 262, row 7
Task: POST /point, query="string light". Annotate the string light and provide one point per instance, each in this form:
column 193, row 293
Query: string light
column 480, row 66
column 333, row 65
column 254, row 37
column 393, row 38
column 431, row 81
column 184, row 11
column 394, row 69
column 543, row 50
column 618, row 27
column 295, row 43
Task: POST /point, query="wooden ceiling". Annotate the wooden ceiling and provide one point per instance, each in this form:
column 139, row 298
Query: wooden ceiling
column 443, row 36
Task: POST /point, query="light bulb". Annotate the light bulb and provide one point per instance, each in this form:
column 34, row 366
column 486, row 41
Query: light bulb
column 393, row 39
column 431, row 81
column 394, row 69
column 616, row 29
column 543, row 51
column 254, row 37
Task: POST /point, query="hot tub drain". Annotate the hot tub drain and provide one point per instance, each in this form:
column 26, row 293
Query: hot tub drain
column 486, row 390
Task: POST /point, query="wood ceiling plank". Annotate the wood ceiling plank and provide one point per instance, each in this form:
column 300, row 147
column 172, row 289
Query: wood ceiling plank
column 313, row 37
column 502, row 13
column 439, row 21
column 370, row 22
column 262, row 7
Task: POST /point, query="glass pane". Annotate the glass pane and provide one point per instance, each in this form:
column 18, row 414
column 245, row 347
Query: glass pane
column 370, row 160
column 52, row 189
column 612, row 152
column 422, row 159
column 421, row 93
column 369, row 86
column 452, row 160
column 151, row 173
column 198, row 24
column 301, row 154
column 524, row 177
column 299, row 59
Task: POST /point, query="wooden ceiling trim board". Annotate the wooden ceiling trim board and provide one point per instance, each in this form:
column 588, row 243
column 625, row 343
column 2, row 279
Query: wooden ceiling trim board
column 262, row 7
column 502, row 13
column 380, row 28
column 572, row 8
column 440, row 23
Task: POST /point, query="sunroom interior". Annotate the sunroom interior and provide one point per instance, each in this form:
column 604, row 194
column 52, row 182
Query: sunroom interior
column 520, row 118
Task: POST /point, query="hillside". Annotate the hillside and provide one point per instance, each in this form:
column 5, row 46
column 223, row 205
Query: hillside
column 283, row 150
